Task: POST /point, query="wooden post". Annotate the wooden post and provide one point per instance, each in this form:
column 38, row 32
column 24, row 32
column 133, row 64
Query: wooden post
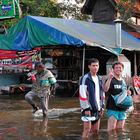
column 135, row 64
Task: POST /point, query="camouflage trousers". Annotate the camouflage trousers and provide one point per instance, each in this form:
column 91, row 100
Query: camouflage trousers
column 43, row 99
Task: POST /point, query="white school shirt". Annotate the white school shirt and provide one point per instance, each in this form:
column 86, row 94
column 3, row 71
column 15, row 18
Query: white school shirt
column 97, row 91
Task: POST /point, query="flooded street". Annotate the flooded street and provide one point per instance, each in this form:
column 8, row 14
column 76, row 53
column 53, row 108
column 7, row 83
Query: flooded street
column 17, row 122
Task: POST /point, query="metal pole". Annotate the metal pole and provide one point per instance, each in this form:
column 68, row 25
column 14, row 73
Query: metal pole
column 83, row 65
column 118, row 33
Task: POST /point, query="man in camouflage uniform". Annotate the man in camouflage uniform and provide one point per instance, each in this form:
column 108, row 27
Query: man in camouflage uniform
column 43, row 85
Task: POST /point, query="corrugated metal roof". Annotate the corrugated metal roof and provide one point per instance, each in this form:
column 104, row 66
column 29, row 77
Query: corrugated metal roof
column 33, row 31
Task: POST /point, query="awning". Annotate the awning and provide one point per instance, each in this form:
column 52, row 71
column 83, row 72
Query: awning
column 34, row 31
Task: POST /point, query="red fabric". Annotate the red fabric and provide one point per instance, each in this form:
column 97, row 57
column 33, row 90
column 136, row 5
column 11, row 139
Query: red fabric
column 81, row 98
column 136, row 80
column 135, row 34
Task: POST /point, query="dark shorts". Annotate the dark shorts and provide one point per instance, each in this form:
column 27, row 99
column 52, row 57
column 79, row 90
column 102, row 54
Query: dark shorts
column 94, row 114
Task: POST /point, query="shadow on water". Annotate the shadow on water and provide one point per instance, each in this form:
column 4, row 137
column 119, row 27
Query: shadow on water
column 17, row 122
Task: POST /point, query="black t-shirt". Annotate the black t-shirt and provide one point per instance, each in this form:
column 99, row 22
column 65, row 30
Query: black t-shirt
column 115, row 88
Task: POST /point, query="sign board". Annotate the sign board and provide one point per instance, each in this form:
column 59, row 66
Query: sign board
column 9, row 9
column 17, row 9
column 19, row 59
column 136, row 81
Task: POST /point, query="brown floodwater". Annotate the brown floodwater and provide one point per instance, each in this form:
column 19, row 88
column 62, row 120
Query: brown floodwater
column 17, row 122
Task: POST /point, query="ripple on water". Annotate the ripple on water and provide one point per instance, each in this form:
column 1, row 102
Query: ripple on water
column 16, row 121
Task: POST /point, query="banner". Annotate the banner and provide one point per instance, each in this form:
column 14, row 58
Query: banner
column 136, row 81
column 20, row 59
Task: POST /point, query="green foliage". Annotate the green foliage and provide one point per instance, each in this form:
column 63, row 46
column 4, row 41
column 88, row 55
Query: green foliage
column 50, row 8
column 72, row 11
column 47, row 8
column 125, row 8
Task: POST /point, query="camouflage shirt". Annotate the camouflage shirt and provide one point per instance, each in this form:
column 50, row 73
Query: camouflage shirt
column 44, row 81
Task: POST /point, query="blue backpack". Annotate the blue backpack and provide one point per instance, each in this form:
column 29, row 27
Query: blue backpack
column 123, row 100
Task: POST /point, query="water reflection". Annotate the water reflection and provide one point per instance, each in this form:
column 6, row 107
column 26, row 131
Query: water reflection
column 10, row 132
column 17, row 123
column 38, row 128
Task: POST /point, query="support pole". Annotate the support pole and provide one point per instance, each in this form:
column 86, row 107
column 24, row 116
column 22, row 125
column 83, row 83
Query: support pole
column 83, row 64
column 135, row 63
column 118, row 43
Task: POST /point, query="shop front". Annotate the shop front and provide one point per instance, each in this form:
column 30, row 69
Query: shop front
column 65, row 63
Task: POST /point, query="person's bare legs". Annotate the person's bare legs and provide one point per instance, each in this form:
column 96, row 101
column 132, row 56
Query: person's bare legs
column 112, row 122
column 95, row 127
column 112, row 135
column 86, row 130
column 120, row 124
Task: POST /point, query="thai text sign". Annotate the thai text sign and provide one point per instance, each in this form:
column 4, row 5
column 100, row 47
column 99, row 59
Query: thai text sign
column 7, row 9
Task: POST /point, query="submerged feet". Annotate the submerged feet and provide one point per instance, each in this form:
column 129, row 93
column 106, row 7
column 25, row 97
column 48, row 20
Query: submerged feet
column 45, row 114
column 35, row 109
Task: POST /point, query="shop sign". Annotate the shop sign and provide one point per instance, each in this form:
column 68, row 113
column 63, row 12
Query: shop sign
column 56, row 52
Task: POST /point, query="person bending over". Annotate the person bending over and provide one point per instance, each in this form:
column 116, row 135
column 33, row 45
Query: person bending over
column 43, row 85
